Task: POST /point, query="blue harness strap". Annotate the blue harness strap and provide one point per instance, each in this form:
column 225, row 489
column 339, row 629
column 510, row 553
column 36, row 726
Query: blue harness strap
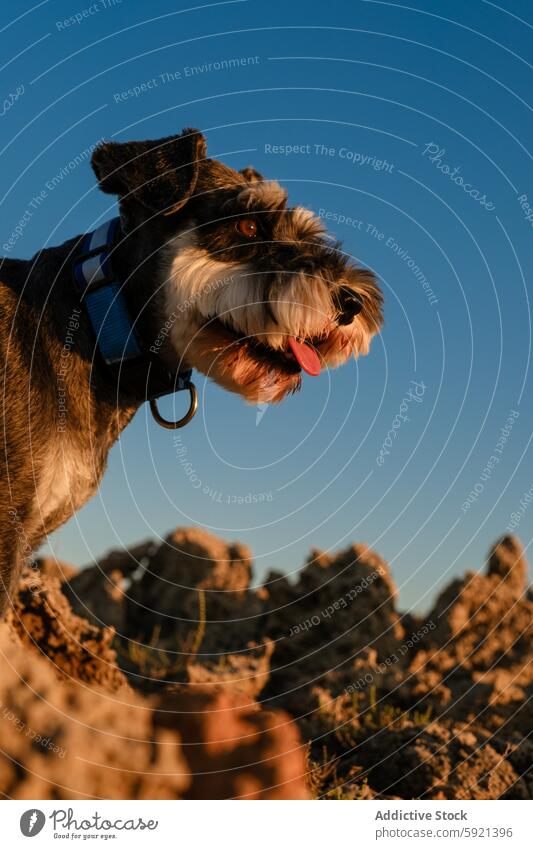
column 116, row 337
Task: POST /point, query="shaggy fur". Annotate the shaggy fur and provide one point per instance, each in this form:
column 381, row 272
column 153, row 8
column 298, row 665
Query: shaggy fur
column 218, row 273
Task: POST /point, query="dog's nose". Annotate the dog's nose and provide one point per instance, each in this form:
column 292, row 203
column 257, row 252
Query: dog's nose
column 349, row 304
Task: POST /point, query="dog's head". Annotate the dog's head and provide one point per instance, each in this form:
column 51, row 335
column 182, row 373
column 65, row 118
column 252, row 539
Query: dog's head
column 247, row 289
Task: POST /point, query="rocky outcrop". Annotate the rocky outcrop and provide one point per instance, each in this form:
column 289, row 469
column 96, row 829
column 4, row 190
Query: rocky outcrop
column 341, row 607
column 72, row 728
column 158, row 672
column 43, row 620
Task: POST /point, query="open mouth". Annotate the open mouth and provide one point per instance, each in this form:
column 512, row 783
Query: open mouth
column 300, row 354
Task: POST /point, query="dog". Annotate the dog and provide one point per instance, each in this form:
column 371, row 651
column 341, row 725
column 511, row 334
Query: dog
column 208, row 268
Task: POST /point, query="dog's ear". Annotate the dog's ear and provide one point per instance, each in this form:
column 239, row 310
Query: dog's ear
column 161, row 174
column 252, row 176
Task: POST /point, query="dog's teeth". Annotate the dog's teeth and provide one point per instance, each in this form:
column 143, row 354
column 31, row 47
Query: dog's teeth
column 306, row 356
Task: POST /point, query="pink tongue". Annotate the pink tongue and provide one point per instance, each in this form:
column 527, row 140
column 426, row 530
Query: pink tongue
column 307, row 357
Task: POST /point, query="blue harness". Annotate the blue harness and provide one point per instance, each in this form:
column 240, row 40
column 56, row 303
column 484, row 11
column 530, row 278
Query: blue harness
column 136, row 369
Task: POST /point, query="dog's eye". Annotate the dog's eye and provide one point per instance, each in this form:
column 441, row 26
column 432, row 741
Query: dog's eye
column 247, row 227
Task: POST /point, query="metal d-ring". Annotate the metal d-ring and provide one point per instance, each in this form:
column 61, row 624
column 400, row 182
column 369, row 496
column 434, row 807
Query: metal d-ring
column 193, row 406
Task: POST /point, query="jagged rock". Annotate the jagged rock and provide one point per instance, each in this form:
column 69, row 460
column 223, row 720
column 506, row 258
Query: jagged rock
column 97, row 592
column 247, row 672
column 507, row 560
column 474, row 660
column 178, row 608
column 481, row 618
column 389, row 706
column 342, row 605
column 63, row 739
column 43, row 620
column 52, row 568
column 234, row 749
column 438, row 763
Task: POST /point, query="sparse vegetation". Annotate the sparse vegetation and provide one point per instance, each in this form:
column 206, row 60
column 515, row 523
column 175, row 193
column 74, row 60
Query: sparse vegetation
column 448, row 718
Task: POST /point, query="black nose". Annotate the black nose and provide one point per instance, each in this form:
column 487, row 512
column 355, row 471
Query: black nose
column 348, row 303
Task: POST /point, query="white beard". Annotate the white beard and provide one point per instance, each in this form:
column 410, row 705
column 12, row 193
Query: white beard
column 198, row 287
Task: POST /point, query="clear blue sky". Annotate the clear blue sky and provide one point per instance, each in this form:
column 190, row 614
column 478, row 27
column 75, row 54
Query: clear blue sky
column 375, row 83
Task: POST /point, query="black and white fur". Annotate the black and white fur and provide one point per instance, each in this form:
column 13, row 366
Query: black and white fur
column 200, row 294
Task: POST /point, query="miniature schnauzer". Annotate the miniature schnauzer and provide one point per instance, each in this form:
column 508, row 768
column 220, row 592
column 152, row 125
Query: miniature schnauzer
column 205, row 268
